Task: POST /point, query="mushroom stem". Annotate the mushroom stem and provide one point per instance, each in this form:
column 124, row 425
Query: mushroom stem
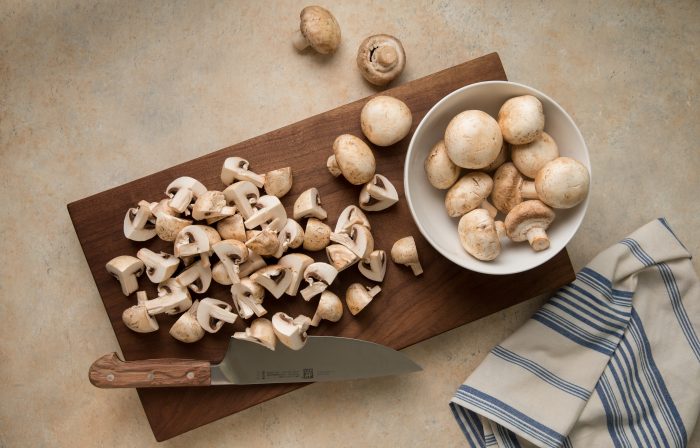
column 538, row 239
column 386, row 56
column 486, row 205
column 500, row 229
column 299, row 41
column 527, row 190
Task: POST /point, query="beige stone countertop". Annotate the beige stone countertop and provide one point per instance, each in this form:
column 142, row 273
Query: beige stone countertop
column 95, row 94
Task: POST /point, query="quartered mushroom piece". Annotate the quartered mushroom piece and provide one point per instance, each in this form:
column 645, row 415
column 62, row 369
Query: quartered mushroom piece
column 231, row 253
column 378, row 194
column 317, row 235
column 264, row 243
column 405, row 252
column 169, row 226
column 290, row 237
column 291, row 332
column 359, row 240
column 329, row 308
column 243, row 195
column 197, row 277
column 186, row 328
column 278, row 182
column 248, row 297
column 350, row 216
column 136, row 318
column 268, row 213
column 236, row 168
column 232, row 228
column 341, row 257
column 374, row 266
column 159, row 267
column 173, row 298
column 308, row 205
column 259, row 332
column 182, row 191
column 252, row 264
column 212, row 205
column 193, row 240
column 319, row 276
column 137, row 222
column 297, row 264
column 275, row 278
column 212, row 313
column 357, row 297
column 126, row 269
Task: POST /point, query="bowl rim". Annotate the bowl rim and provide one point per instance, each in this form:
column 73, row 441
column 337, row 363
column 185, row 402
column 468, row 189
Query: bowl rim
column 407, row 187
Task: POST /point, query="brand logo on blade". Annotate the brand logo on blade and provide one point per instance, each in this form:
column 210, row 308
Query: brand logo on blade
column 308, row 373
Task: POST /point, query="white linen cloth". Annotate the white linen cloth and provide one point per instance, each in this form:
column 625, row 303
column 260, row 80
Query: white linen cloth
column 612, row 359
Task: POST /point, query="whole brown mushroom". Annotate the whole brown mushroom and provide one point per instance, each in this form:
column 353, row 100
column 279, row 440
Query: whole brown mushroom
column 528, row 221
column 468, row 193
column 381, row 59
column 562, row 183
column 531, row 157
column 510, row 188
column 473, row 139
column 441, row 171
column 521, row 119
column 318, row 29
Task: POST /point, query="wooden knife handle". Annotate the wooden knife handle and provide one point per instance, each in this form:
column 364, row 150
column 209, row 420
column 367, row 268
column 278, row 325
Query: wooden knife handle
column 109, row 371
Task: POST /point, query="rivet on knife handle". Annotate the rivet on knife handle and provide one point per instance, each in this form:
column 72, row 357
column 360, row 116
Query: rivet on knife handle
column 110, row 372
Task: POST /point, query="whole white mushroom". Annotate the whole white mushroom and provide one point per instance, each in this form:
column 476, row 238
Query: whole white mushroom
column 385, row 120
column 473, row 139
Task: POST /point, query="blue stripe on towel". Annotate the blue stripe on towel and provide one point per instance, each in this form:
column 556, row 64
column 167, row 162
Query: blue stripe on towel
column 541, row 372
column 510, row 415
column 574, row 333
column 605, row 282
column 613, row 416
column 507, row 437
column 560, row 300
column 668, row 227
column 603, row 304
column 457, row 412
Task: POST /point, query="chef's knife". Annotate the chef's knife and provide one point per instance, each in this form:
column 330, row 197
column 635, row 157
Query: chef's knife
column 323, row 358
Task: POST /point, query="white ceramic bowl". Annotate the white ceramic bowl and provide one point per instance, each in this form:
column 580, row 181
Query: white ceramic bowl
column 427, row 203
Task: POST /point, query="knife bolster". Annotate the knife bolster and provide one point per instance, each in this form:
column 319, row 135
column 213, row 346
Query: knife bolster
column 111, row 372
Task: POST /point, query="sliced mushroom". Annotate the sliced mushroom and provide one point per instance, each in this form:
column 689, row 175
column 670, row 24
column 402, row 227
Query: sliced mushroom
column 385, row 120
column 297, row 264
column 197, row 277
column 248, row 298
column 381, row 59
column 528, row 221
column 244, row 195
column 269, row 213
column 478, row 235
column 308, row 205
column 341, row 257
column 290, row 237
column 317, row 235
column 318, row 29
column 562, row 183
column 359, row 240
column 212, row 205
column 168, row 226
column 175, row 298
column 136, row 318
column 350, row 216
column 212, row 313
column 232, row 228
column 510, row 188
column 470, row 191
column 231, row 253
column 264, row 243
column 405, row 252
column 259, row 332
column 193, row 240
column 378, row 194
column 353, row 159
column 186, row 328
column 163, row 206
column 182, row 190
column 531, row 157
column 137, row 223
column 473, row 139
column 521, row 119
column 291, row 332
column 236, row 168
column 126, row 269
column 441, row 171
column 329, row 308
column 275, row 278
column 357, row 297
column 159, row 267
column 251, row 265
column 278, row 182
column 319, row 276
column 374, row 266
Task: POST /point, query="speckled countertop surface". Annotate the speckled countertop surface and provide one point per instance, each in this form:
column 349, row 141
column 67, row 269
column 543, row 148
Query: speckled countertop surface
column 94, row 94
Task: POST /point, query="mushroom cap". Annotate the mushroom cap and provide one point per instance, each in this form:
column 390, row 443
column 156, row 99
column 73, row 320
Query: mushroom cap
column 404, row 251
column 478, row 235
column 354, row 158
column 329, row 308
column 381, row 59
column 137, row 319
column 441, row 171
column 562, row 183
column 526, row 216
column 168, row 226
column 468, row 193
column 507, row 183
column 473, row 139
column 500, row 159
column 320, row 29
column 278, row 182
column 385, row 120
column 521, row 119
column 531, row 157
column 317, row 235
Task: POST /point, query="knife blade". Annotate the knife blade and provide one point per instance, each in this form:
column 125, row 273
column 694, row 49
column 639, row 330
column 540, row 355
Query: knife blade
column 323, row 358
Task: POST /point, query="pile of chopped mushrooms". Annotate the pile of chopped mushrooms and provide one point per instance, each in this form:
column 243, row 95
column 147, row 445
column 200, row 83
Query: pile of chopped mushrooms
column 524, row 190
column 242, row 237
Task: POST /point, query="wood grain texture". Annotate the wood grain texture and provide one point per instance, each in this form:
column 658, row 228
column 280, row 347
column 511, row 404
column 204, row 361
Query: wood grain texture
column 408, row 310
column 111, row 372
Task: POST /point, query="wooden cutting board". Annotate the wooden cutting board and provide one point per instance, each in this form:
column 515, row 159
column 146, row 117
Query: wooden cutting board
column 408, row 310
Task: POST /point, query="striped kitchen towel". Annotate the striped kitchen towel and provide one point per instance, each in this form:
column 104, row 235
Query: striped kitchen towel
column 612, row 359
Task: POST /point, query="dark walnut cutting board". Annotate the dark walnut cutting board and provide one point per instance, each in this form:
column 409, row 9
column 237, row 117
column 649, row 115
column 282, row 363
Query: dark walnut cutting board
column 408, row 310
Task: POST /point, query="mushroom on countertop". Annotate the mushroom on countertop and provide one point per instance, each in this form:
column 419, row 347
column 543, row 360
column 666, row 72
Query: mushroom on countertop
column 521, row 119
column 468, row 193
column 318, row 29
column 510, row 188
column 211, row 204
column 473, row 139
column 531, row 157
column 353, row 159
column 478, row 235
column 381, row 58
column 441, row 171
column 169, row 226
column 385, row 120
column 265, row 243
column 350, row 216
column 126, row 269
column 244, row 195
column 562, row 183
column 528, row 221
column 341, row 257
column 405, row 252
column 268, row 213
column 237, row 168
